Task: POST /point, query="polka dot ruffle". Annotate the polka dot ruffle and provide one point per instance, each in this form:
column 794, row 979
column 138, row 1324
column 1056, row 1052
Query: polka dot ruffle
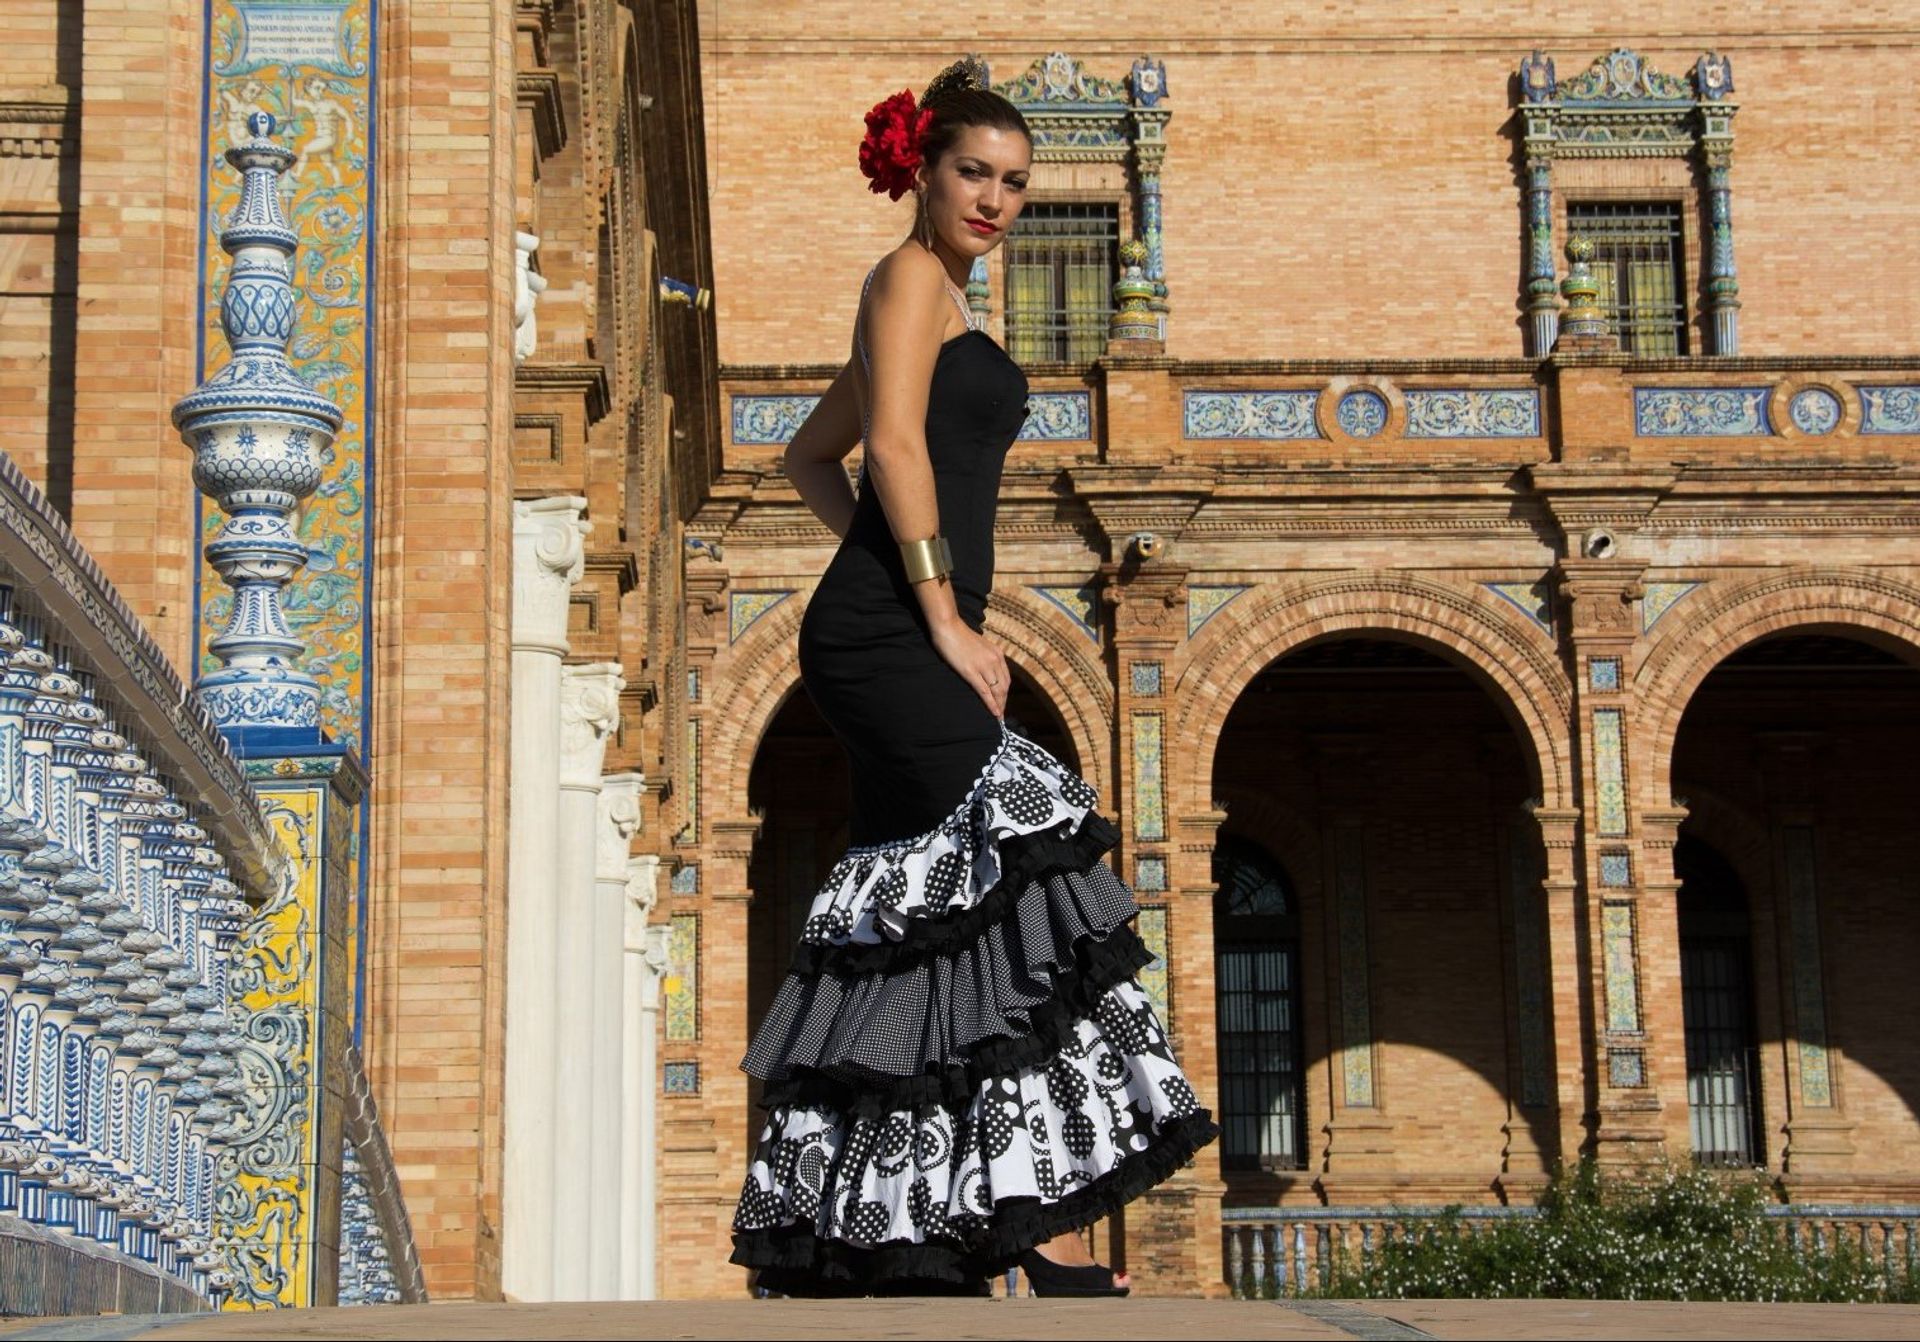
column 875, row 892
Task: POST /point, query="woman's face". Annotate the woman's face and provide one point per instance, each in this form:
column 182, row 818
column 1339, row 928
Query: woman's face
column 977, row 189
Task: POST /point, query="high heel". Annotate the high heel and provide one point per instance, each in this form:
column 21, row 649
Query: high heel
column 1048, row 1278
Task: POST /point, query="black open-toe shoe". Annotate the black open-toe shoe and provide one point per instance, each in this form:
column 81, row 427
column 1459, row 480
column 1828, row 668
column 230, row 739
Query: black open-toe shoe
column 1050, row 1278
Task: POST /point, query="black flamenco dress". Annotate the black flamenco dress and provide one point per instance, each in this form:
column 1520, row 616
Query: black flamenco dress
column 959, row 1064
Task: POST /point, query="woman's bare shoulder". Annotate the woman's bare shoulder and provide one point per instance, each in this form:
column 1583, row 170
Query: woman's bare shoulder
column 909, row 269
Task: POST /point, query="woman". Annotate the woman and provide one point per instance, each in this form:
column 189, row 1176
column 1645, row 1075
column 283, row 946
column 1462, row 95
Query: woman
column 961, row 1070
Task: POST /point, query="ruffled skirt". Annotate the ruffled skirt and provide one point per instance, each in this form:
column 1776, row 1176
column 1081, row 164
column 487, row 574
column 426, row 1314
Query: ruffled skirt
column 960, row 1063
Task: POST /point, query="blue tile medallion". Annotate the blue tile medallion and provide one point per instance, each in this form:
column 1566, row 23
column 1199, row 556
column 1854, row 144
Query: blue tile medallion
column 1361, row 413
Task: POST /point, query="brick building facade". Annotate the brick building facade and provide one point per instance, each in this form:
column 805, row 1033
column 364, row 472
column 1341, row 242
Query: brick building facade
column 1471, row 654
column 1527, row 691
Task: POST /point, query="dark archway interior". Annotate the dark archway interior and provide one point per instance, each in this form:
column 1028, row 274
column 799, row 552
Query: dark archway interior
column 1809, row 737
column 1396, row 740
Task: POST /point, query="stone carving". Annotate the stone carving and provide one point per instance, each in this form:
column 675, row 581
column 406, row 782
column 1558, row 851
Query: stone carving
column 549, row 540
column 528, row 285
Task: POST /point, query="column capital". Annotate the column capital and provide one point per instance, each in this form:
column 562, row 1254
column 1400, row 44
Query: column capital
column 617, row 821
column 549, row 555
column 643, row 892
column 589, row 711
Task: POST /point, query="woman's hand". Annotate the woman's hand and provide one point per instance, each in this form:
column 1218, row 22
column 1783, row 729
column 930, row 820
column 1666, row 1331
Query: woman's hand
column 979, row 663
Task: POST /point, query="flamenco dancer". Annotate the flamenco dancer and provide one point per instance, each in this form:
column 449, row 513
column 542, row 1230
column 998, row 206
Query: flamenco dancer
column 961, row 1070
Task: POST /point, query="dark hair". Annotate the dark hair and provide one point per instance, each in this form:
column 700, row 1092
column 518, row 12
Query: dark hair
column 957, row 102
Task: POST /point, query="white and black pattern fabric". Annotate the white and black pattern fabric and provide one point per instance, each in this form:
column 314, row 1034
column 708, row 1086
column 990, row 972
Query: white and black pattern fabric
column 874, row 893
column 1065, row 940
column 960, row 1063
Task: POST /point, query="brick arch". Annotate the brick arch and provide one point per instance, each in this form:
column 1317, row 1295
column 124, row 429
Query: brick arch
column 1858, row 603
column 756, row 678
column 1512, row 660
column 762, row 672
column 1053, row 653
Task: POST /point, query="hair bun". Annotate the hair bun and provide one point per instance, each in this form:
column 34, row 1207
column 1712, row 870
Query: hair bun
column 969, row 72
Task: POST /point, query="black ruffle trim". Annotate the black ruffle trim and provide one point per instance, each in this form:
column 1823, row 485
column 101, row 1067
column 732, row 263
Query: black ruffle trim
column 862, row 1093
column 1024, row 858
column 794, row 1261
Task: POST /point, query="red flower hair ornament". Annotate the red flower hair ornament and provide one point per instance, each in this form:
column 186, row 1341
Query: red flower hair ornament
column 890, row 150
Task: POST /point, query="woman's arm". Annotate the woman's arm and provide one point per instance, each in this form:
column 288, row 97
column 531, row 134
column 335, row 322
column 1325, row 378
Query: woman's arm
column 906, row 318
column 814, row 456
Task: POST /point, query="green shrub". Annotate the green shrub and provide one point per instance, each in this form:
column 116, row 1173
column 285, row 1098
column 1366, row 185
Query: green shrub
column 1668, row 1234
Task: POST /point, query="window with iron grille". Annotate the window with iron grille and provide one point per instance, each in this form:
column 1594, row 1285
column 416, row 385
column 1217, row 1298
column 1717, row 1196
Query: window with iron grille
column 1061, row 259
column 1638, row 263
column 1257, row 982
column 1723, row 1098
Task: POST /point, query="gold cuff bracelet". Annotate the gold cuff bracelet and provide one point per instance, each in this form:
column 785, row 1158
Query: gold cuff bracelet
column 927, row 558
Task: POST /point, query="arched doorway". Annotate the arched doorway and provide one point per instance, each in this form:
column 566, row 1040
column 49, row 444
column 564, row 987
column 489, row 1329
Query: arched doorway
column 1376, row 781
column 1794, row 759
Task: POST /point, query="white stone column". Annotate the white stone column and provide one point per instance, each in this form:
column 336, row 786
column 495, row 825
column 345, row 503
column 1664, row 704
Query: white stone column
column 549, row 551
column 646, row 961
column 589, row 711
column 618, row 821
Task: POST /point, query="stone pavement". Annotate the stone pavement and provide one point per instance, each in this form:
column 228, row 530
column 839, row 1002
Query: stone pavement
column 776, row 1321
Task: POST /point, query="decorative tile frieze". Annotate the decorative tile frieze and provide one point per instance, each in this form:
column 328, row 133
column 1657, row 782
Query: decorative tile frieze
column 1529, row 598
column 1619, row 956
column 1473, row 412
column 1153, row 977
column 1890, row 409
column 1080, row 604
column 769, row 420
column 681, row 987
column 1702, row 412
column 1809, row 990
column 685, row 880
column 1057, row 416
column 1150, row 873
column 1603, row 673
column 1609, row 771
column 1263, row 415
column 1149, row 795
column 1203, row 603
column 1356, row 1009
column 693, row 684
column 743, row 608
column 680, row 1078
column 1657, row 598
column 1146, row 678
